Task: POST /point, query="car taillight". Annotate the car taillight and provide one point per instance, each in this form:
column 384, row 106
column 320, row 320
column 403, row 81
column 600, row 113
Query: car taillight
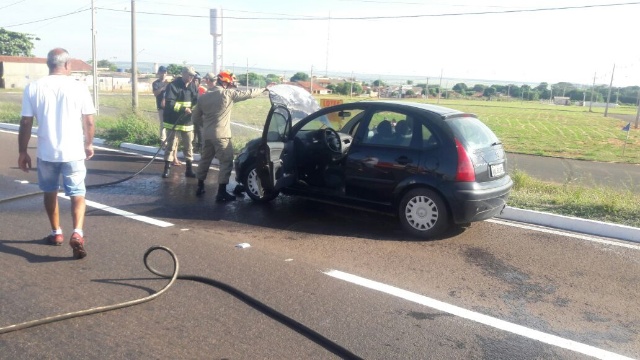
column 465, row 170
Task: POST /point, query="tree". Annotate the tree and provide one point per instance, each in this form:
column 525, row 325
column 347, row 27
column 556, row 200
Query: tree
column 299, row 76
column 273, row 78
column 490, row 91
column 479, row 88
column 254, row 79
column 16, row 44
column 460, row 88
column 346, row 87
column 106, row 64
column 378, row 83
column 174, row 69
column 542, row 87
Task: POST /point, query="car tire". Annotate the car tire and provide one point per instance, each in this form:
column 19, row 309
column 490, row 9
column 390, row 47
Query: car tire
column 423, row 213
column 253, row 186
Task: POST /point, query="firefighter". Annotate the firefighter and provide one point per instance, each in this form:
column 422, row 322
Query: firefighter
column 180, row 97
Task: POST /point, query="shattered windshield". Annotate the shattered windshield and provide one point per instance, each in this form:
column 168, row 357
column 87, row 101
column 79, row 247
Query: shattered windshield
column 299, row 101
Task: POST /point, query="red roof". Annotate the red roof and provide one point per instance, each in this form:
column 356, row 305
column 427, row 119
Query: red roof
column 306, row 84
column 76, row 64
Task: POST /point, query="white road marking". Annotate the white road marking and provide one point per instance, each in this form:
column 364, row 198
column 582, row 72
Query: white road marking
column 565, row 233
column 477, row 317
column 127, row 214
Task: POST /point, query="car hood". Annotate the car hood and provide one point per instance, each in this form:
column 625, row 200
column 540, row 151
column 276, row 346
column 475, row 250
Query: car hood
column 298, row 100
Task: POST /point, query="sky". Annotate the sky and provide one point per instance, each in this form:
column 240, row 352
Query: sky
column 505, row 40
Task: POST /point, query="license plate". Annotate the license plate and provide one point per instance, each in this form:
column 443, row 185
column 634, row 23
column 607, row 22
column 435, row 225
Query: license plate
column 497, row 170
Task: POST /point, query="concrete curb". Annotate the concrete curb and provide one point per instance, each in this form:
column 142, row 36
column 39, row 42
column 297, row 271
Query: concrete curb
column 570, row 223
column 590, row 227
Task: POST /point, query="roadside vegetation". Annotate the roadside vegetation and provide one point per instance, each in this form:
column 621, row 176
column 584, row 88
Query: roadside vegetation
column 526, row 127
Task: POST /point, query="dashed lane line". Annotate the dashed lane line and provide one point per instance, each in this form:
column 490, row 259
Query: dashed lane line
column 124, row 213
column 477, row 317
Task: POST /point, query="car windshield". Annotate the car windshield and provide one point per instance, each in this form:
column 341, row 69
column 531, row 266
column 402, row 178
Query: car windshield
column 299, row 102
column 473, row 132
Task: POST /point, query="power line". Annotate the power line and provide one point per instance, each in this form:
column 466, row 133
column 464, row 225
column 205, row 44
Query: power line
column 323, row 18
column 4, row 7
column 50, row 18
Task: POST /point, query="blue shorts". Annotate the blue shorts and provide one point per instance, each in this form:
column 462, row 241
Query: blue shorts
column 73, row 174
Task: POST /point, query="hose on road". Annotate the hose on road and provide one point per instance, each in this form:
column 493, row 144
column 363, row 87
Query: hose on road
column 294, row 325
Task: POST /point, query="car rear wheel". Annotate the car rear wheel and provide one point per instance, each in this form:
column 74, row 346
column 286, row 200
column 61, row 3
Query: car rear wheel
column 254, row 188
column 423, row 213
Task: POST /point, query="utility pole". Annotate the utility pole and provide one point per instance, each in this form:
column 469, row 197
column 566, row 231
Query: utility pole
column 247, row 87
column 95, row 61
column 592, row 88
column 326, row 63
column 638, row 113
column 311, row 81
column 426, row 90
column 351, row 82
column 606, row 108
column 134, row 58
column 440, row 86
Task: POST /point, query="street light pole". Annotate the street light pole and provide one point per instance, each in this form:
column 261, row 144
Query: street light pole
column 606, row 108
column 592, row 88
column 134, row 58
column 95, row 61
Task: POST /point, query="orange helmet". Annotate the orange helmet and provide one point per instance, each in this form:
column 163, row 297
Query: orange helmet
column 225, row 76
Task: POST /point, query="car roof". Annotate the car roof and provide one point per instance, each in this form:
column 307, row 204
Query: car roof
column 436, row 109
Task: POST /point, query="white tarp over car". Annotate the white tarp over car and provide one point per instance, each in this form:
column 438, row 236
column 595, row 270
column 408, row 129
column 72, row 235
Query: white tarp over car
column 298, row 100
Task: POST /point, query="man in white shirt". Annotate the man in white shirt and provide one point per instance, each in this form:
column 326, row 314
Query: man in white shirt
column 64, row 110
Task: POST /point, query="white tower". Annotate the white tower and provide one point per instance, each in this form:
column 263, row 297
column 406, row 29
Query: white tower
column 215, row 16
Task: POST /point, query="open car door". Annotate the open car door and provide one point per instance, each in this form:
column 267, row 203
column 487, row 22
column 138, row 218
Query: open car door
column 275, row 157
column 276, row 160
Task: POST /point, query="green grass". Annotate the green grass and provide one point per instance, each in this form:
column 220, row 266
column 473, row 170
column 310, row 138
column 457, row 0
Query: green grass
column 524, row 127
column 621, row 206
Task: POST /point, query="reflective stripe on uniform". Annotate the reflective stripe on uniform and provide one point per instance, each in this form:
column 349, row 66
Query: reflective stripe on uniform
column 178, row 127
column 180, row 104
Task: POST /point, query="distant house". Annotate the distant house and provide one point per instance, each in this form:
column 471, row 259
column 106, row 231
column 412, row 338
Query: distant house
column 317, row 89
column 18, row 71
column 561, row 100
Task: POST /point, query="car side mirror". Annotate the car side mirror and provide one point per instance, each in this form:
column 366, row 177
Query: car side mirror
column 344, row 114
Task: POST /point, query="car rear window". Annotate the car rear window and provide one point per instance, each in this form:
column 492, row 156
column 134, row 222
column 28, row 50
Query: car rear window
column 472, row 132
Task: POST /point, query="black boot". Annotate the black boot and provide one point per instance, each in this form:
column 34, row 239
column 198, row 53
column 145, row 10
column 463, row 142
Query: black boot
column 200, row 190
column 223, row 195
column 189, row 172
column 167, row 169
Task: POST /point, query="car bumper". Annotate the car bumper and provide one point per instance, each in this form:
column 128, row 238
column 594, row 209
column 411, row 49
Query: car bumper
column 469, row 205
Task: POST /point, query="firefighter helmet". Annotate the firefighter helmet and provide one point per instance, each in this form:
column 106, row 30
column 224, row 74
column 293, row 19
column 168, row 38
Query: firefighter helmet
column 225, row 76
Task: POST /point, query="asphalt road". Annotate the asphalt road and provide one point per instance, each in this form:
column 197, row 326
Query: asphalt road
column 493, row 290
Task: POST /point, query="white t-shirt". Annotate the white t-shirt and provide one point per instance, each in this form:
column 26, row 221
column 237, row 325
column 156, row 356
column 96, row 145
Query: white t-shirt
column 58, row 103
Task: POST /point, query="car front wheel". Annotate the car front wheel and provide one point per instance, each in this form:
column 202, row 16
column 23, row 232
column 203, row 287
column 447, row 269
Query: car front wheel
column 423, row 213
column 253, row 187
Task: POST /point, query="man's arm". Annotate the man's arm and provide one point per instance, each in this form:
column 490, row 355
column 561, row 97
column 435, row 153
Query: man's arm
column 89, row 127
column 159, row 87
column 24, row 135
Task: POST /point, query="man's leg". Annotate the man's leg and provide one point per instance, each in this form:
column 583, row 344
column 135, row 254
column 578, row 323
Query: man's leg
column 51, row 207
column 169, row 152
column 48, row 181
column 225, row 155
column 78, row 207
column 73, row 175
column 206, row 157
column 187, row 144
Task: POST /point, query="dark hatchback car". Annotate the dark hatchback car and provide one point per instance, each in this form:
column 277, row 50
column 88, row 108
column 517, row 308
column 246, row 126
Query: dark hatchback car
column 428, row 165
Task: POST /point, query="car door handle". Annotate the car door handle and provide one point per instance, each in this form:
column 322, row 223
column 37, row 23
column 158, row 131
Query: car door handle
column 403, row 160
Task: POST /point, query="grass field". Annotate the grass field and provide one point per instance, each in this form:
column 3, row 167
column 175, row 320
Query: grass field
column 524, row 127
